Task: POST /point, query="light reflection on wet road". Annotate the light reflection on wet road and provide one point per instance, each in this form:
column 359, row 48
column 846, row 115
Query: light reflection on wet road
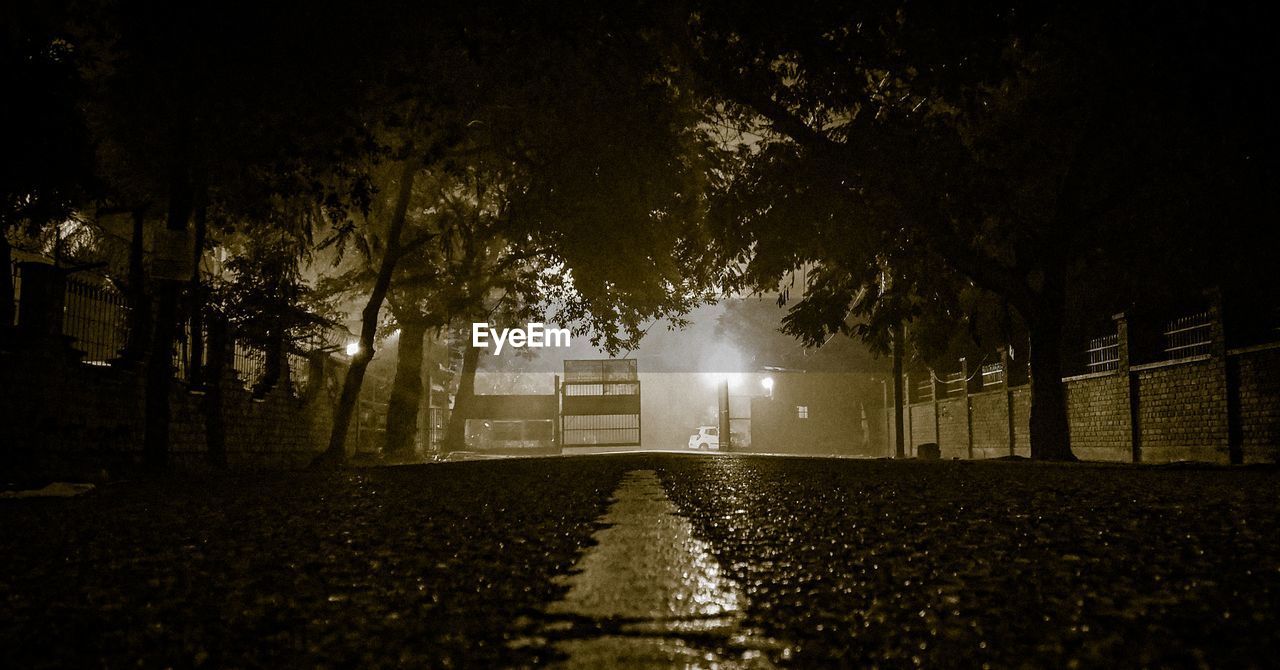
column 644, row 560
column 649, row 594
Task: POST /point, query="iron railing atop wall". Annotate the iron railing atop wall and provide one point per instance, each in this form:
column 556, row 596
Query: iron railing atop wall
column 95, row 315
column 1187, row 336
column 992, row 375
column 1103, row 354
column 924, row 390
column 954, row 384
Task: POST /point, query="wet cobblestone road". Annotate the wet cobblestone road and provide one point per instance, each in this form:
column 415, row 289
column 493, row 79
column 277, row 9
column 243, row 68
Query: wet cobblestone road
column 790, row 562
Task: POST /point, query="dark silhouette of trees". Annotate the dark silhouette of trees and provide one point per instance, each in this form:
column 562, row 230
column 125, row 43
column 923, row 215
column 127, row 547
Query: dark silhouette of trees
column 1025, row 149
column 47, row 167
column 203, row 107
column 981, row 172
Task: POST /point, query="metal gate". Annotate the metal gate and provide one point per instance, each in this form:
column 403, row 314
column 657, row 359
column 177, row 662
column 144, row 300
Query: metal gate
column 600, row 403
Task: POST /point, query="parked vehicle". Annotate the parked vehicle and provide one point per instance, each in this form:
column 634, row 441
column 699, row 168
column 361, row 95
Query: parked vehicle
column 706, row 439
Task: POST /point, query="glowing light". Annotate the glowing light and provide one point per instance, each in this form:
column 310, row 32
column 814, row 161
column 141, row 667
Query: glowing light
column 767, row 383
column 734, row 379
column 353, row 348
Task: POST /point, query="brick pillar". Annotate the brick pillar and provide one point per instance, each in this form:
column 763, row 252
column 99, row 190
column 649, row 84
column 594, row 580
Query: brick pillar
column 1130, row 383
column 1229, row 373
column 1011, row 419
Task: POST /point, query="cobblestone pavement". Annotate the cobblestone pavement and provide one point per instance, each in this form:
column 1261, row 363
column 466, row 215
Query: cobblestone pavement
column 652, row 561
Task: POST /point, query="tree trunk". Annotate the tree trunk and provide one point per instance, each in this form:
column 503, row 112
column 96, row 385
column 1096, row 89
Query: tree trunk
column 899, row 437
column 197, row 300
column 155, row 448
column 1050, row 431
column 135, row 348
column 7, row 311
column 336, row 453
column 214, row 427
column 406, row 391
column 455, row 436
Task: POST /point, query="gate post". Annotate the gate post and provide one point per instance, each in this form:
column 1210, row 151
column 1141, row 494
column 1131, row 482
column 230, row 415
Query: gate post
column 726, row 437
column 555, row 423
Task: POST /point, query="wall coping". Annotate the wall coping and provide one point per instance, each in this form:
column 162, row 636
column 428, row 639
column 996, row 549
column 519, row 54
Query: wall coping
column 1090, row 375
column 1165, row 364
column 1252, row 349
column 999, row 389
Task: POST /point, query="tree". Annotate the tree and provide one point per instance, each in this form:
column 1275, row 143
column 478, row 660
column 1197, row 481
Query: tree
column 46, row 171
column 187, row 120
column 467, row 272
column 1003, row 145
column 569, row 104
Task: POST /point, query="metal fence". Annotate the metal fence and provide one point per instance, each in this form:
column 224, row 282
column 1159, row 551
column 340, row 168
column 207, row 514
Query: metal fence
column 590, row 389
column 95, row 314
column 992, row 375
column 601, row 429
column 924, row 390
column 600, row 370
column 954, row 384
column 96, row 319
column 1103, row 354
column 1187, row 336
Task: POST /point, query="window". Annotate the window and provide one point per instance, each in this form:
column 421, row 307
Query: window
column 802, row 411
column 713, row 431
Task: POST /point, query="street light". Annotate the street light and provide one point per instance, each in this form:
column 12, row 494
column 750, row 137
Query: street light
column 353, row 348
column 767, row 383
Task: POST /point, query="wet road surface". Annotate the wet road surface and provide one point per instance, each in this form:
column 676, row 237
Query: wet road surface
column 666, row 560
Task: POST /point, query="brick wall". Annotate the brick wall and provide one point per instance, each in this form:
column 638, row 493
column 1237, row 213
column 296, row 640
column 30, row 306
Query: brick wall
column 1258, row 403
column 922, row 427
column 1098, row 409
column 1182, row 411
column 953, row 428
column 1022, row 421
column 990, row 424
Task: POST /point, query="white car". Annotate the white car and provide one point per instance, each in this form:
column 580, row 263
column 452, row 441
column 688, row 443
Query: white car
column 707, row 438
